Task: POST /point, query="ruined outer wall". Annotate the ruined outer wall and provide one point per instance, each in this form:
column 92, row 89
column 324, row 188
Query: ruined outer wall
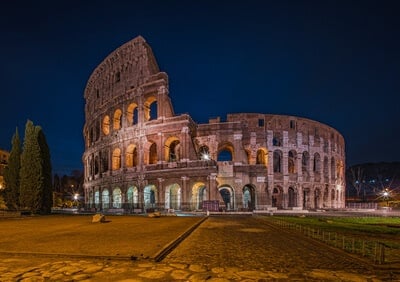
column 139, row 155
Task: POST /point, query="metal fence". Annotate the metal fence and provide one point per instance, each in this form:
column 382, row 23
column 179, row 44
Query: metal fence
column 378, row 252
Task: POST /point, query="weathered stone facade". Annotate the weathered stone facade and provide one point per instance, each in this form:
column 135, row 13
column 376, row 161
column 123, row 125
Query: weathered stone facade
column 139, row 155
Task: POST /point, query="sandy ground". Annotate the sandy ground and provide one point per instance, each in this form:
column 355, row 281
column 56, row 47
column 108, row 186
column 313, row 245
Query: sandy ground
column 138, row 236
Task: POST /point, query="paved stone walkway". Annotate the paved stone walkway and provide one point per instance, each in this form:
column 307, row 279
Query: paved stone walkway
column 221, row 249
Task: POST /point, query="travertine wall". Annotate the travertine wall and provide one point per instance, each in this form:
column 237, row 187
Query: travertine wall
column 139, row 155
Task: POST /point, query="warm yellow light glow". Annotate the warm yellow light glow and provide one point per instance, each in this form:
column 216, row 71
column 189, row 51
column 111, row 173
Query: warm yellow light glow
column 205, row 157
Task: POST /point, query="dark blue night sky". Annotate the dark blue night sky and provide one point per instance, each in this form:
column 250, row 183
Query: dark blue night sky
column 336, row 62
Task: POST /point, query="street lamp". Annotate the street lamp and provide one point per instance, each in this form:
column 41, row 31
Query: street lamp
column 386, row 196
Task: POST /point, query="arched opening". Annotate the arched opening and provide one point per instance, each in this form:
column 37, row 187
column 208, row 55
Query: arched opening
column 262, row 156
column 227, row 198
column 292, row 159
column 333, row 169
column 117, row 119
column 131, row 114
column 96, row 165
column 131, row 156
column 317, row 163
column 249, row 199
column 106, row 125
column 277, row 198
column 326, row 196
column 305, row 164
column 204, row 153
column 104, row 160
column 306, row 198
column 225, row 152
column 116, row 159
column 132, row 196
column 292, row 197
column 317, row 198
column 172, row 149
column 278, row 161
column 173, row 197
column 150, row 108
column 105, row 199
column 153, row 154
column 198, row 195
column 149, row 197
column 117, row 198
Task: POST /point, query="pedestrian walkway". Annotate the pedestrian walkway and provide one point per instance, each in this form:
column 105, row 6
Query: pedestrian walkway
column 223, row 248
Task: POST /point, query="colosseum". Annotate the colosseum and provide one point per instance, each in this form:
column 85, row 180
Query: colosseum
column 140, row 157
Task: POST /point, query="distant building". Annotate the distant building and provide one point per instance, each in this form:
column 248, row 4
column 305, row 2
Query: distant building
column 140, row 156
column 4, row 155
column 367, row 182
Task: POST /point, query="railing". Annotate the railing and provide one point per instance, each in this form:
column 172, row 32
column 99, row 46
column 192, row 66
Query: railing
column 378, row 252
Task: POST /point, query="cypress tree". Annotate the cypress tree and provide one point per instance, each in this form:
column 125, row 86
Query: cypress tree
column 11, row 174
column 31, row 173
column 47, row 189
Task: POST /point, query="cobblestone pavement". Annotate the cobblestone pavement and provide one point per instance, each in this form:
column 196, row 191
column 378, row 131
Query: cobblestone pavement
column 221, row 249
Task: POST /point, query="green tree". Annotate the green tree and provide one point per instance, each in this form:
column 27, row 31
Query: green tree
column 47, row 189
column 35, row 173
column 11, row 174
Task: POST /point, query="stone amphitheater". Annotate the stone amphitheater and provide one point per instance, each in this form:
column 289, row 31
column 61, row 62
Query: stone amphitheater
column 140, row 156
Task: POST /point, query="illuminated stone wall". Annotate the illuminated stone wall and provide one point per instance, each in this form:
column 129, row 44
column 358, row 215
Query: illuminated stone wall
column 140, row 156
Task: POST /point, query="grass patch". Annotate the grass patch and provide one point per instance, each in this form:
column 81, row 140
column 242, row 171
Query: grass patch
column 383, row 229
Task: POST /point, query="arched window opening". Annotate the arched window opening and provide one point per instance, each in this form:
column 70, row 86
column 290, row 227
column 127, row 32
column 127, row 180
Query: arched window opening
column 153, row 154
column 117, row 198
column 116, row 159
column 131, row 114
column 278, row 161
column 173, row 197
column 150, row 109
column 305, row 163
column 204, row 153
column 133, row 197
column 225, row 153
column 317, row 163
column 277, row 198
column 174, row 151
column 106, row 125
column 317, row 195
column 104, row 160
column 249, row 197
column 226, row 198
column 333, row 169
column 117, row 119
column 131, row 156
column 149, row 194
column 105, row 199
column 292, row 198
column 198, row 195
column 262, row 157
column 96, row 165
column 292, row 162
column 277, row 139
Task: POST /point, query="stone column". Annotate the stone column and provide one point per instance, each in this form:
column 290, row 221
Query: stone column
column 212, row 191
column 184, row 201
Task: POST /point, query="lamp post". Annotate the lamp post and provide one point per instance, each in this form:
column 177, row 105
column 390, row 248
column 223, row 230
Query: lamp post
column 386, row 196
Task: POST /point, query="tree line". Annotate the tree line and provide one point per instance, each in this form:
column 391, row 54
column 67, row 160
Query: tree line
column 28, row 175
